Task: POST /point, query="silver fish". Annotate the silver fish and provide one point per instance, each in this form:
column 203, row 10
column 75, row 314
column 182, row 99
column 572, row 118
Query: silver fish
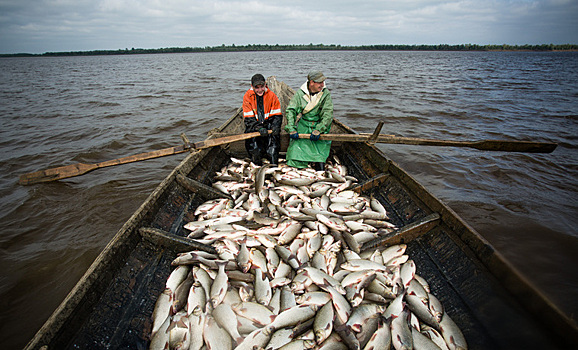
column 423, row 282
column 274, row 198
column 292, row 316
column 314, row 243
column 255, row 312
column 288, row 257
column 246, row 326
column 333, row 222
column 356, row 277
column 421, row 341
column 177, row 276
column 162, row 310
column 279, row 339
column 323, row 280
column 299, row 344
column 357, row 226
column 306, row 253
column 377, row 206
column 181, row 294
column 376, row 257
column 352, row 243
column 232, row 296
column 246, row 292
column 452, row 334
column 216, row 338
column 393, row 252
column 160, row 338
column 407, row 272
column 313, row 298
column 243, row 257
column 289, row 233
column 287, row 298
column 368, row 329
column 345, row 208
column 227, row 319
column 283, row 270
column 362, row 264
column 381, row 339
column 258, row 259
column 436, row 337
column 260, row 178
column 193, row 225
column 179, row 332
column 258, row 339
column 275, row 303
column 370, row 214
column 197, row 325
column 196, row 298
column 204, row 279
column 400, row 332
column 360, row 314
column 378, row 287
column 264, row 220
column 323, row 322
column 415, row 288
column 435, row 307
column 219, row 286
column 333, row 342
column 395, row 308
column 263, row 291
column 421, row 310
column 273, row 260
column 295, row 181
column 342, row 307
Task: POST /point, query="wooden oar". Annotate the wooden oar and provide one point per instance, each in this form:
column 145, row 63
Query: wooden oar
column 72, row 170
column 485, row 145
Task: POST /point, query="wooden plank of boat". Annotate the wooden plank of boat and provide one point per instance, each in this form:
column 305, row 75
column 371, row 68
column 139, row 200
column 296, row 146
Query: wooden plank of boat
column 496, row 307
column 405, row 234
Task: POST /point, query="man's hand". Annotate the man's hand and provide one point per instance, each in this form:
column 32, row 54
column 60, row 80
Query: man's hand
column 315, row 134
column 263, row 131
column 294, row 135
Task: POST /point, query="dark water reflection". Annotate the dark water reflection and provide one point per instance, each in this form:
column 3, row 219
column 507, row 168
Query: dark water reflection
column 58, row 111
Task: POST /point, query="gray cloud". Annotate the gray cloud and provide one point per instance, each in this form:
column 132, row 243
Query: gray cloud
column 38, row 26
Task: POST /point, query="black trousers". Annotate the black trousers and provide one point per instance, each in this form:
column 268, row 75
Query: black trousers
column 264, row 147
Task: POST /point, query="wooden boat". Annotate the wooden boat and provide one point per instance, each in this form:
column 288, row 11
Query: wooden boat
column 495, row 307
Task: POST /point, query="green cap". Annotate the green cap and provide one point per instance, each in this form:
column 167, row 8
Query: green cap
column 316, row 75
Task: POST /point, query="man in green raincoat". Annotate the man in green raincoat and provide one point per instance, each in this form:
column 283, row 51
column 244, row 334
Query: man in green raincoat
column 310, row 111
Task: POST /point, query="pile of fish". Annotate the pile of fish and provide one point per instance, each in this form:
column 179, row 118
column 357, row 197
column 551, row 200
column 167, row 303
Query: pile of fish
column 291, row 271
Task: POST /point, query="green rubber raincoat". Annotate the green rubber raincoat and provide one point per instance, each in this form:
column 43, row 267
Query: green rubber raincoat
column 316, row 114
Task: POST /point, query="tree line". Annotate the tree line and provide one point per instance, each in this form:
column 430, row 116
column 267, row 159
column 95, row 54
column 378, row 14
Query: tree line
column 310, row 47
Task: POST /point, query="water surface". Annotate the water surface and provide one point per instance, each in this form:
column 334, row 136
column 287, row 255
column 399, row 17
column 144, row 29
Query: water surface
column 61, row 110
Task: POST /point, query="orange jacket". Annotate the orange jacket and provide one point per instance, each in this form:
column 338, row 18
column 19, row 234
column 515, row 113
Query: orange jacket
column 271, row 104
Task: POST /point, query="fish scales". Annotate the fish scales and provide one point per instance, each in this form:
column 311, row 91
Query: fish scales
column 292, row 261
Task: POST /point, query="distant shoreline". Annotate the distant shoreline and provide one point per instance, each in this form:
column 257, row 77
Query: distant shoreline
column 311, row 47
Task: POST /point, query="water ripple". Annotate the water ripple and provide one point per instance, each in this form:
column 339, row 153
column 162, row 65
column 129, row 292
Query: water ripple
column 61, row 110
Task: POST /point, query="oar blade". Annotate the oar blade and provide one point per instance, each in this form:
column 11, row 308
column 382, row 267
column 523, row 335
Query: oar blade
column 54, row 174
column 515, row 146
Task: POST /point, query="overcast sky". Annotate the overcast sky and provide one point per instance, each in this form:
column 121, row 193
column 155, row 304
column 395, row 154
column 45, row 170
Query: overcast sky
column 38, row 26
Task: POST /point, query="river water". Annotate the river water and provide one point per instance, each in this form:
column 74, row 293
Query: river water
column 62, row 110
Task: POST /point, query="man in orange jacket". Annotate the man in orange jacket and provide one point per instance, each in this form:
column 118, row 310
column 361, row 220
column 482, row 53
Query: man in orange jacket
column 262, row 112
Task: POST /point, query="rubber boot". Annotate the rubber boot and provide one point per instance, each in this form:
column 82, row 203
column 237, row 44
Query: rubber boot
column 319, row 166
column 275, row 160
column 273, row 149
column 256, row 157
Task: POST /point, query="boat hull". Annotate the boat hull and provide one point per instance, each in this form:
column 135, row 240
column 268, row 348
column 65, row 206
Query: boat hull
column 494, row 306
